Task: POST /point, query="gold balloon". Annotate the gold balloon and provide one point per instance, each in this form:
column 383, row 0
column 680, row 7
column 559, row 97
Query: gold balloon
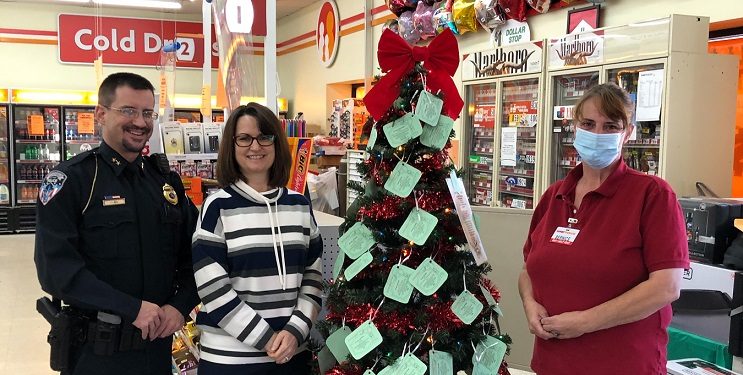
column 463, row 12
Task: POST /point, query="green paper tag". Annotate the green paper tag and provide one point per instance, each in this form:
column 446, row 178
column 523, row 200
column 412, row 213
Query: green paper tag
column 436, row 136
column 467, row 307
column 428, row 277
column 402, row 130
column 358, row 265
column 325, row 359
column 356, row 240
column 498, row 310
column 489, row 353
column 369, row 372
column 488, row 296
column 418, row 226
column 338, row 265
column 363, row 340
column 440, row 363
column 411, row 365
column 336, row 342
column 402, row 180
column 476, row 219
column 372, row 139
column 398, row 286
column 428, row 108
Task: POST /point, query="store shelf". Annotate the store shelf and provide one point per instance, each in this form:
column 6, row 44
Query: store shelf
column 3, row 139
column 488, row 185
column 27, row 201
column 27, row 181
column 36, row 161
column 517, row 174
column 517, row 193
column 4, row 181
column 34, row 141
column 629, row 145
column 483, row 151
column 83, row 141
column 180, row 157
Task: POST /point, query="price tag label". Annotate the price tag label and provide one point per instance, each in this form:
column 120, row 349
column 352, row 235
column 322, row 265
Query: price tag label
column 338, row 265
column 35, row 125
column 436, row 136
column 398, row 286
column 163, row 90
column 358, row 265
column 403, row 179
column 488, row 296
column 428, row 108
column 418, row 226
column 356, row 240
column 429, row 277
column 206, row 101
column 363, row 340
column 325, row 360
column 467, row 307
column 85, row 123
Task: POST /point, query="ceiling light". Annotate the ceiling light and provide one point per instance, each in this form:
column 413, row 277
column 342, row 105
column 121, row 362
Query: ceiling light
column 160, row 4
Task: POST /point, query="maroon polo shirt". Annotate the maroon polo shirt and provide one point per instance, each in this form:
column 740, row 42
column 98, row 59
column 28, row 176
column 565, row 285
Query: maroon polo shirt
column 629, row 227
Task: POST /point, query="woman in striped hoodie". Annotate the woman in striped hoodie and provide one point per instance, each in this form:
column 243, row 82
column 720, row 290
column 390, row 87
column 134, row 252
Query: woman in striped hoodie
column 257, row 256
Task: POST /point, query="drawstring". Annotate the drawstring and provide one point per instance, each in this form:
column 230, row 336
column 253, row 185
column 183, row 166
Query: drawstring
column 280, row 263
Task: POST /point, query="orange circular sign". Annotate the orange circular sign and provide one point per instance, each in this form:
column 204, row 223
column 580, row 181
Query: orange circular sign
column 327, row 32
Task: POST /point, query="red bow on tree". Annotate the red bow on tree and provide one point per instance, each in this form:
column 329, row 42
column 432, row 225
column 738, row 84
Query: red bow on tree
column 397, row 57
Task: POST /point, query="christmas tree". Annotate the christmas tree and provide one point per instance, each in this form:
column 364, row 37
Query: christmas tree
column 410, row 292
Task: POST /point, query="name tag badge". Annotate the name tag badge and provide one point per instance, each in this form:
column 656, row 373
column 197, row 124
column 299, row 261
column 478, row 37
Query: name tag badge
column 113, row 200
column 565, row 236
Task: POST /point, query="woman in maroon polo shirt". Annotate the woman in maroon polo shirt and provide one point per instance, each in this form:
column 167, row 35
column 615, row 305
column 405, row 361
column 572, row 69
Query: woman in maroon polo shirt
column 604, row 256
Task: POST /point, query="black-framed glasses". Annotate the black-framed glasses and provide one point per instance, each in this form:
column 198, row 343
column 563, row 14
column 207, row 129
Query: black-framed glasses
column 245, row 140
column 133, row 114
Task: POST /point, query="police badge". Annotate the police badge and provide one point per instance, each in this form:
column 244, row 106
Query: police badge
column 51, row 185
column 170, row 195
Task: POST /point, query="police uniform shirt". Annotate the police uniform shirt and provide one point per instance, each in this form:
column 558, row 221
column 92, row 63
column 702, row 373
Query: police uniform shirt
column 128, row 240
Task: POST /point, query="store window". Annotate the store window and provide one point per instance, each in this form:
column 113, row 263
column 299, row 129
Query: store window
column 732, row 44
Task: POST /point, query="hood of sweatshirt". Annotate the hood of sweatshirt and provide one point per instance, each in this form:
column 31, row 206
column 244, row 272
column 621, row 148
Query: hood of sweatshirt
column 269, row 197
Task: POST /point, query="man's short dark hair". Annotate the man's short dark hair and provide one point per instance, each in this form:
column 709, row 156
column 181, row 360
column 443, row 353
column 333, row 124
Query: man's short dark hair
column 107, row 91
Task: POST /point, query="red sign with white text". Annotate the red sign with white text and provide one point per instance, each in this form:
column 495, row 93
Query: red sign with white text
column 130, row 41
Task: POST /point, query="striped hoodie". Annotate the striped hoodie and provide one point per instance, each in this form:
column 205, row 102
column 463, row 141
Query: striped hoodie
column 257, row 264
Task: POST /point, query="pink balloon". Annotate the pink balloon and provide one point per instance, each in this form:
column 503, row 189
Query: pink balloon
column 406, row 28
column 423, row 20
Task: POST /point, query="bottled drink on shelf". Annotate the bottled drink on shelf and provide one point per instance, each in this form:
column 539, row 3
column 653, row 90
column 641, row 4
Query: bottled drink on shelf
column 24, row 192
column 3, row 172
column 22, row 172
column 36, row 193
column 35, row 172
column 46, row 170
column 44, row 153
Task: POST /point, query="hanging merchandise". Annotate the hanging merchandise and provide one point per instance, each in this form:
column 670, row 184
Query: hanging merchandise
column 396, row 6
column 166, row 66
column 514, row 9
column 463, row 12
column 294, row 128
column 235, row 54
column 423, row 20
column 541, row 6
column 489, row 14
column 406, row 29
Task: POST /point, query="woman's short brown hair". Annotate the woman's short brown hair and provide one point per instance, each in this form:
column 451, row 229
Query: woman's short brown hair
column 613, row 102
column 228, row 171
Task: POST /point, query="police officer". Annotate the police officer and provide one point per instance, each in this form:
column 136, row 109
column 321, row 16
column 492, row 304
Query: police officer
column 113, row 240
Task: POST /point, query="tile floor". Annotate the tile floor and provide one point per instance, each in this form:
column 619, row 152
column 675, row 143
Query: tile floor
column 23, row 347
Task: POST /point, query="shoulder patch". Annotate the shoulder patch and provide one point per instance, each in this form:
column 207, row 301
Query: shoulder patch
column 51, row 185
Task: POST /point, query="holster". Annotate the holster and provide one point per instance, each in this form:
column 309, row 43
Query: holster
column 67, row 331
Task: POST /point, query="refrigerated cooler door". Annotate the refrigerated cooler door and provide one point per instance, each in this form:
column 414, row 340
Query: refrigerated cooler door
column 645, row 87
column 518, row 143
column 81, row 132
column 37, row 148
column 480, row 137
column 5, row 195
column 566, row 91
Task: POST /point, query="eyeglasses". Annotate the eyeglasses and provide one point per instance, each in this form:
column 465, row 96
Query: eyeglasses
column 133, row 114
column 245, row 140
column 608, row 127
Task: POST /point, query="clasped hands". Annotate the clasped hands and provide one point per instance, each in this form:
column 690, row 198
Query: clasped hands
column 282, row 346
column 567, row 325
column 158, row 322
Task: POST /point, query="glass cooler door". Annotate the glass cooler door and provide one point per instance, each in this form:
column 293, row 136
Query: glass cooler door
column 480, row 136
column 566, row 90
column 645, row 86
column 518, row 143
column 37, row 148
column 82, row 132
column 4, row 157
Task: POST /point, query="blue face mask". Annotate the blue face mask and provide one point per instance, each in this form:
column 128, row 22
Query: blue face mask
column 597, row 150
